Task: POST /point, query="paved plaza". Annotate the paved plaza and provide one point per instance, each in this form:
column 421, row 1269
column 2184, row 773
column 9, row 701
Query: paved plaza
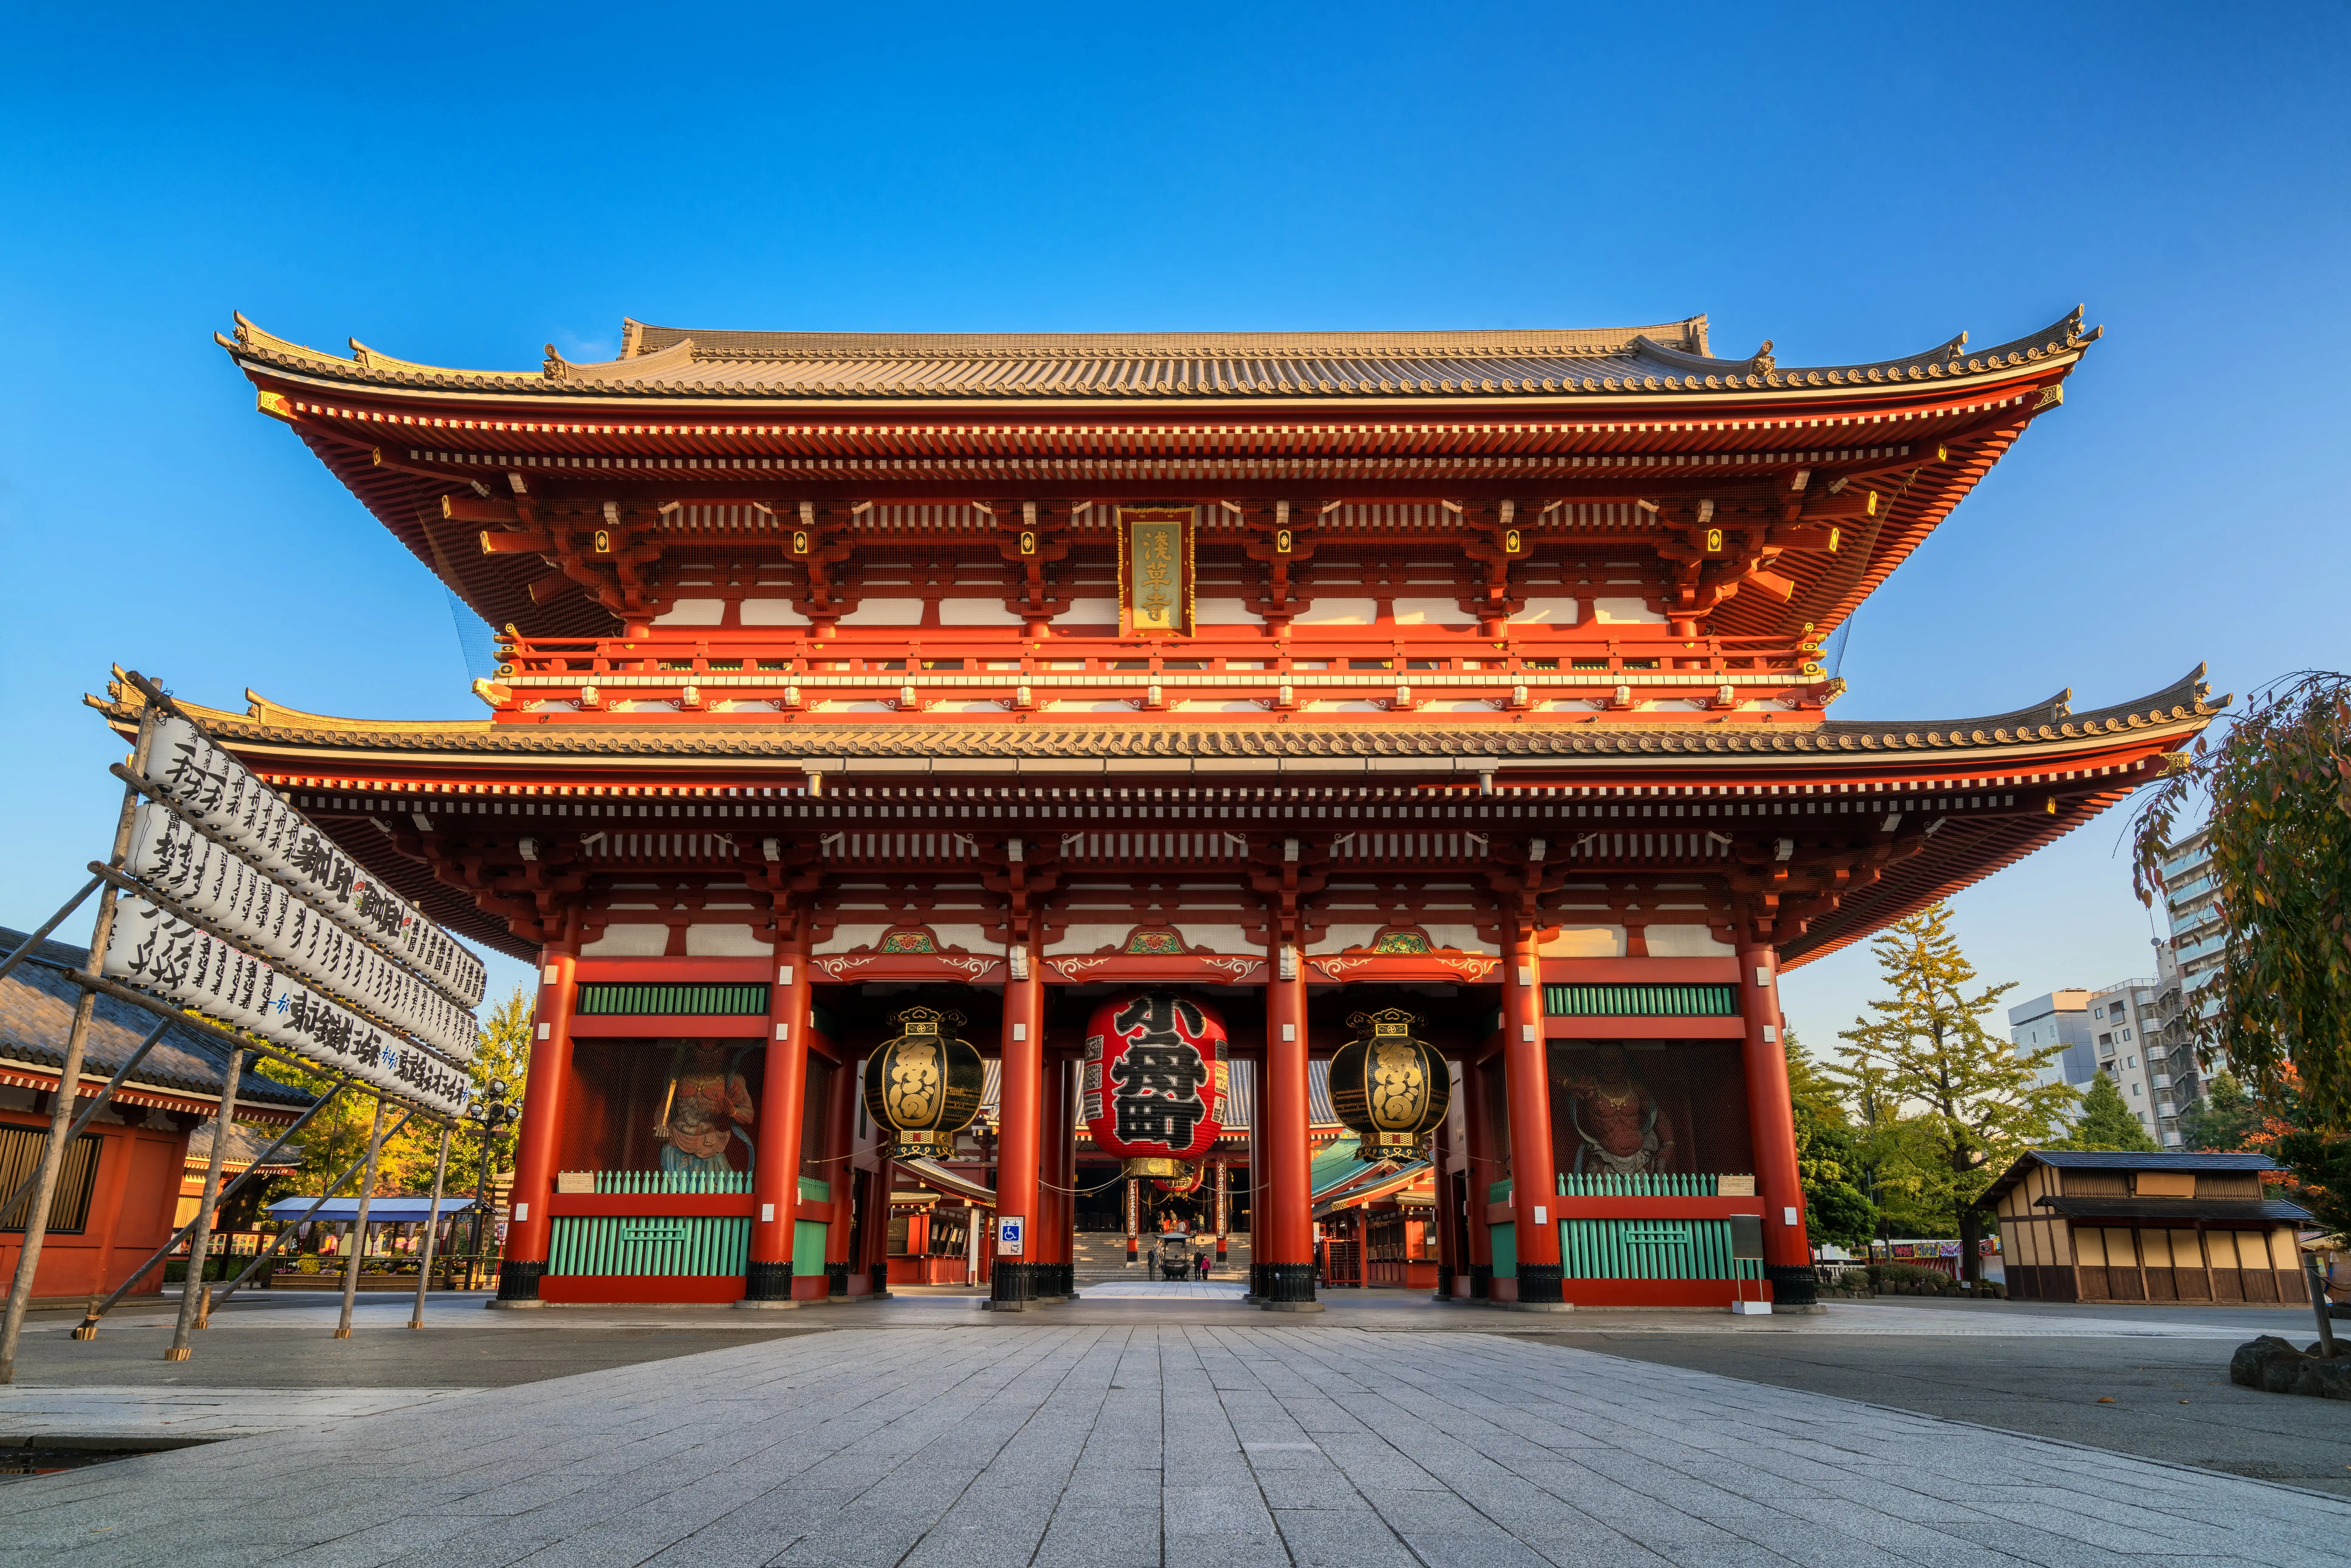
column 930, row 1434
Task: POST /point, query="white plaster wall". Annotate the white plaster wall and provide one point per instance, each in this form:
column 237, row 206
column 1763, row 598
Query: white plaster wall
column 1686, row 942
column 1076, row 941
column 1552, row 611
column 725, row 942
column 1629, row 612
column 1091, row 612
column 629, row 942
column 1430, row 612
column 771, row 613
column 1585, row 941
column 693, row 613
column 1339, row 612
column 1223, row 612
column 885, row 612
column 845, row 936
column 976, row 613
column 1463, row 938
column 1338, row 938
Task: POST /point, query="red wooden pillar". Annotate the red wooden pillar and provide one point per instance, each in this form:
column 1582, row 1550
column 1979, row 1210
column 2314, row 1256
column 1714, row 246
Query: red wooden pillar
column 1480, row 1172
column 776, row 1168
column 1021, row 1145
column 1286, row 1230
column 1048, row 1244
column 1067, row 1142
column 1771, row 1116
column 841, row 1178
column 876, row 1263
column 1447, row 1265
column 1534, row 1205
column 538, row 1141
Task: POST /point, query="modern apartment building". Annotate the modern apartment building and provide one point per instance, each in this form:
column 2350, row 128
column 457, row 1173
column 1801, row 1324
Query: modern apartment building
column 2190, row 961
column 2106, row 1031
column 2139, row 1032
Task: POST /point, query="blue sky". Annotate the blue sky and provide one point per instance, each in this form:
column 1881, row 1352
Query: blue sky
column 462, row 185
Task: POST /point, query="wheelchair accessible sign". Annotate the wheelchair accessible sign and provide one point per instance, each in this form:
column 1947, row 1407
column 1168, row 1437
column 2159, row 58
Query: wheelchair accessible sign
column 1008, row 1227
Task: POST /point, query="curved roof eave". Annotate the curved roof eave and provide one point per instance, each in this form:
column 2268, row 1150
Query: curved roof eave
column 2049, row 729
column 1690, row 377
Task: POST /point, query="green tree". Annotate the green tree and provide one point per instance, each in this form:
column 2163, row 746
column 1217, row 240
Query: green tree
column 1967, row 1099
column 339, row 1135
column 1828, row 1161
column 2279, row 785
column 2222, row 1120
column 2107, row 1122
column 2321, row 1166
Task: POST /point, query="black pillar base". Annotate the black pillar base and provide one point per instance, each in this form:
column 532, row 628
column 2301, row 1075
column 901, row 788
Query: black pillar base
column 836, row 1280
column 518, row 1281
column 1792, row 1284
column 878, row 1279
column 1541, row 1283
column 767, row 1283
column 1287, row 1282
column 1481, row 1282
column 1013, row 1284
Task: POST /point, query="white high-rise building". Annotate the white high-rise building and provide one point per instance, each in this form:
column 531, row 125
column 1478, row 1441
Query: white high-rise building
column 2190, row 961
column 2106, row 1031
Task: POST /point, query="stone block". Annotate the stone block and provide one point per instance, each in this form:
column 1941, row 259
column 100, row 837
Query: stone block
column 2249, row 1366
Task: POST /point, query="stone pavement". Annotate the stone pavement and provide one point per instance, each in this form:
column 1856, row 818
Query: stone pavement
column 974, row 1443
column 133, row 1413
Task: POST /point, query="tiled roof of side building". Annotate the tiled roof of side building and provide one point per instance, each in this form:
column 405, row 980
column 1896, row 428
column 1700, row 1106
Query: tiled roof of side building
column 2186, row 703
column 1669, row 358
column 2178, row 1210
column 37, row 1004
column 2107, row 1160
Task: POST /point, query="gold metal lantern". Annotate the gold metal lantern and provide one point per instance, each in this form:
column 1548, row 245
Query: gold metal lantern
column 1389, row 1086
column 925, row 1086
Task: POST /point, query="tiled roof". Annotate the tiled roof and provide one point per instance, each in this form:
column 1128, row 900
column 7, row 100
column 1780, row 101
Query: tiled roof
column 243, row 1148
column 2120, row 1160
column 2108, row 1160
column 2178, row 1210
column 37, row 1005
column 665, row 361
column 2185, row 702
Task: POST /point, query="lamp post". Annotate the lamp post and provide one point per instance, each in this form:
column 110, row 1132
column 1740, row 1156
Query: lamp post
column 490, row 1115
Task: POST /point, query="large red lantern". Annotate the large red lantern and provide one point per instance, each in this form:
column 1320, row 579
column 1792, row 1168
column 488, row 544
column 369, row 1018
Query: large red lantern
column 1155, row 1081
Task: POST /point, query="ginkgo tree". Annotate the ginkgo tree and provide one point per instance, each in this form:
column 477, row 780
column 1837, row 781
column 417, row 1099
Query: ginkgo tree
column 1930, row 1077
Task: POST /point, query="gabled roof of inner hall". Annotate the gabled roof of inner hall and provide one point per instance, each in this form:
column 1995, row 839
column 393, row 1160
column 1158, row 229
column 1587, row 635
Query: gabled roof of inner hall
column 671, row 361
column 2187, row 704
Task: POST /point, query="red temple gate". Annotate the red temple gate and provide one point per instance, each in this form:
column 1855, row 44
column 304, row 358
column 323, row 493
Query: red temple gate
column 1473, row 673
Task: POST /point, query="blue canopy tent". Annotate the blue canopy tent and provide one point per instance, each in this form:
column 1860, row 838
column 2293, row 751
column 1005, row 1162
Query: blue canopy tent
column 380, row 1210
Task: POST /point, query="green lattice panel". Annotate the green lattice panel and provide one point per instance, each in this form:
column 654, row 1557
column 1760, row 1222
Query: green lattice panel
column 607, row 1244
column 1641, row 1001
column 701, row 999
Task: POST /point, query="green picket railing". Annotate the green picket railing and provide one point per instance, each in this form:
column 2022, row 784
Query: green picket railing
column 671, row 1245
column 631, row 1182
column 1650, row 1249
column 1638, row 1183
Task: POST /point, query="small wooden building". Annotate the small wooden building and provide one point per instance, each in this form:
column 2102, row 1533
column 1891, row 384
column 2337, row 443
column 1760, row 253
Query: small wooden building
column 2098, row 1227
column 123, row 1178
